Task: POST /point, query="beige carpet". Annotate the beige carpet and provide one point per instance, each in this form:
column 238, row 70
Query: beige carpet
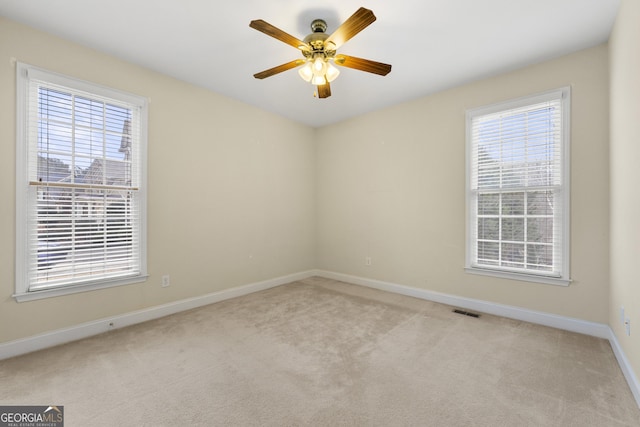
column 325, row 353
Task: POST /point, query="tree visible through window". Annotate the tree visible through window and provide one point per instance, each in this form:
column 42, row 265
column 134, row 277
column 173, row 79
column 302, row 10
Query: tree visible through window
column 83, row 181
column 517, row 192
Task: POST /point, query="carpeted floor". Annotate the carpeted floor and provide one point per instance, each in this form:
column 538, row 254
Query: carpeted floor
column 323, row 353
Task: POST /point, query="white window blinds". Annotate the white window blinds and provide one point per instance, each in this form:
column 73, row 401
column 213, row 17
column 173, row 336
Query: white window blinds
column 83, row 183
column 517, row 189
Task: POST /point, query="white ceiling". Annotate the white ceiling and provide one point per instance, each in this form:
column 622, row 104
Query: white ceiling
column 432, row 44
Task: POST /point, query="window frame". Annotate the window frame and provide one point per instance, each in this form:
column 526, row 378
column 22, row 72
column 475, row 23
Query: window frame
column 24, row 73
column 563, row 279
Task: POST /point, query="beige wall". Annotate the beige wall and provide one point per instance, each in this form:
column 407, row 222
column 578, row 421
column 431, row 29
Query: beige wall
column 231, row 189
column 625, row 177
column 391, row 185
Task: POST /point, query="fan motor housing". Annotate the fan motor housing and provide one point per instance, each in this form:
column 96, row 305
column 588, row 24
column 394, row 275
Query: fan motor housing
column 319, row 26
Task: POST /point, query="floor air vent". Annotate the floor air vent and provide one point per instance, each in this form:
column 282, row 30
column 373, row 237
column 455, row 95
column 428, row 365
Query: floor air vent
column 466, row 313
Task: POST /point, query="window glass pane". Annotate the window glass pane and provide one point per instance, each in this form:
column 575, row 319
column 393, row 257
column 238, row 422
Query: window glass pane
column 488, row 204
column 540, row 230
column 488, row 253
column 488, row 228
column 488, row 169
column 89, row 142
column 513, row 203
column 513, row 229
column 540, row 203
column 89, row 113
column 540, row 257
column 115, row 117
column 82, row 163
column 113, row 144
column 54, row 169
column 54, row 106
column 513, row 254
column 54, row 137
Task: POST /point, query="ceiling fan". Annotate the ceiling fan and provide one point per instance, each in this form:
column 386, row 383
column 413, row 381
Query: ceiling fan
column 318, row 48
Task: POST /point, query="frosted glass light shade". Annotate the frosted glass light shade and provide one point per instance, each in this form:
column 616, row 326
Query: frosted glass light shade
column 318, row 80
column 319, row 67
column 306, row 72
column 332, row 73
column 318, row 71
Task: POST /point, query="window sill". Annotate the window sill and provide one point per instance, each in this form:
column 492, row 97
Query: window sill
column 73, row 289
column 518, row 276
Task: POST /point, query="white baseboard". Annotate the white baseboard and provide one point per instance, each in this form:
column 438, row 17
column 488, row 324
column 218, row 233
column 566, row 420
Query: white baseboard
column 84, row 330
column 599, row 330
column 625, row 366
column 567, row 323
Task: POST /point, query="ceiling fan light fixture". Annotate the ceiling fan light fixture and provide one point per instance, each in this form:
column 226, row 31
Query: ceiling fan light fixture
column 318, row 71
column 332, row 73
column 306, row 72
column 319, row 48
column 318, row 80
column 319, row 66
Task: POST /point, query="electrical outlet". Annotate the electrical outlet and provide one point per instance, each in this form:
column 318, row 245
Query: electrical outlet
column 627, row 326
column 367, row 260
column 166, row 281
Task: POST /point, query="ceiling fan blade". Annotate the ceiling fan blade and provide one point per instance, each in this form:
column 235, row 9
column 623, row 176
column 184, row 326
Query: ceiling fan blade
column 352, row 26
column 279, row 69
column 324, row 91
column 363, row 64
column 277, row 33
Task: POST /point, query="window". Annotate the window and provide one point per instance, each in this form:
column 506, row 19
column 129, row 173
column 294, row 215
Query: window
column 81, row 196
column 518, row 189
